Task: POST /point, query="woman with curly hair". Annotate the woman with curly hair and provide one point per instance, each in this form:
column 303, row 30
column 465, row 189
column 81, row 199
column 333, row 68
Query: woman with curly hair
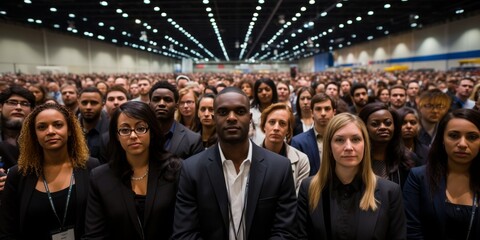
column 390, row 159
column 45, row 195
column 133, row 196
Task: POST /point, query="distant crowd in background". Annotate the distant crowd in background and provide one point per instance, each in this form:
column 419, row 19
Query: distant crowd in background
column 326, row 155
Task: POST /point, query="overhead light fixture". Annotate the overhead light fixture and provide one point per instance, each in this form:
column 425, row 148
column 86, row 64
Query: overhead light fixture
column 370, row 13
column 358, row 18
column 323, row 14
column 339, row 5
column 52, row 9
column 303, row 9
column 71, row 15
column 459, row 11
column 156, row 9
column 104, row 3
column 387, row 5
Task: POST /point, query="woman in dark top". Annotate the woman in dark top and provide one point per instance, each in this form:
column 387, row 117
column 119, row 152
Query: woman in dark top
column 442, row 197
column 45, row 195
column 390, row 159
column 304, row 116
column 133, row 196
column 205, row 114
column 410, row 122
column 345, row 200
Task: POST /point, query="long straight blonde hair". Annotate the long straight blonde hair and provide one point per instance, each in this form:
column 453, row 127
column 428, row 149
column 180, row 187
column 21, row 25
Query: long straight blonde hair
column 324, row 175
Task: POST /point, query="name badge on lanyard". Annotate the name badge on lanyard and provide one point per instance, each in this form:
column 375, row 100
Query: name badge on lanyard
column 68, row 234
column 63, row 233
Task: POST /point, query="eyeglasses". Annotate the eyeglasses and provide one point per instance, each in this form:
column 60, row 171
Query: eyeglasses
column 14, row 103
column 431, row 106
column 188, row 103
column 124, row 132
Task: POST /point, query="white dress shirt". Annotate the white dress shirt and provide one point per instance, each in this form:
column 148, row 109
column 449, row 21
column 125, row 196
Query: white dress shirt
column 237, row 190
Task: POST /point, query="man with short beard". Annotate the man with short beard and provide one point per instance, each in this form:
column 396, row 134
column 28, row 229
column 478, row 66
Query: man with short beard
column 15, row 105
column 359, row 93
column 94, row 121
column 70, row 97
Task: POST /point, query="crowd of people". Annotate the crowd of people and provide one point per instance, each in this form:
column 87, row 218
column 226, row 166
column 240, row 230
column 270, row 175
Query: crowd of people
column 328, row 155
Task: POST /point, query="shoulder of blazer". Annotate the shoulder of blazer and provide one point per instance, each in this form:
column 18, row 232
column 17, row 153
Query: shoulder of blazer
column 92, row 163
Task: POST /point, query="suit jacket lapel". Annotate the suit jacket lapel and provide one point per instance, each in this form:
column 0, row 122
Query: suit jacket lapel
column 318, row 221
column 30, row 183
column 439, row 206
column 128, row 198
column 177, row 137
column 315, row 150
column 154, row 183
column 81, row 188
column 255, row 184
column 367, row 221
column 215, row 172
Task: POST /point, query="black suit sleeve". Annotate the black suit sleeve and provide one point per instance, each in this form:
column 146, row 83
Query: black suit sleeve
column 95, row 219
column 10, row 206
column 303, row 211
column 197, row 145
column 185, row 224
column 284, row 224
column 411, row 194
column 396, row 212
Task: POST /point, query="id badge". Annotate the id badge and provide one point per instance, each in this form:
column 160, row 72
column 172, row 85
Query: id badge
column 68, row 234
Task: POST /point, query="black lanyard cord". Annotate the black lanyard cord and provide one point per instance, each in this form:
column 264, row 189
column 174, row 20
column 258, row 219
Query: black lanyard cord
column 62, row 223
column 474, row 208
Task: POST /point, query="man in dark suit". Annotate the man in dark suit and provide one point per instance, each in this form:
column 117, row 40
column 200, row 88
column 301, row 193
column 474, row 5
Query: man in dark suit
column 178, row 139
column 311, row 142
column 235, row 189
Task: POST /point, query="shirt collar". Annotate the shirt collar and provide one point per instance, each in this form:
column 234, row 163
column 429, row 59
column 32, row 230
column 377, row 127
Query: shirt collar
column 249, row 154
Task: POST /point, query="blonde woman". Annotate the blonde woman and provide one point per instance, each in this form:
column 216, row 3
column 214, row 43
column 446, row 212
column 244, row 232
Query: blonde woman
column 345, row 200
column 45, row 195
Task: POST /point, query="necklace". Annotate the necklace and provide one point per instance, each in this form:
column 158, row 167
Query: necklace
column 139, row 178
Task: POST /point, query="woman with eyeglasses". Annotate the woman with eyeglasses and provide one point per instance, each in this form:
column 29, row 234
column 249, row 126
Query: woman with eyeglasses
column 442, row 197
column 46, row 193
column 133, row 196
column 187, row 109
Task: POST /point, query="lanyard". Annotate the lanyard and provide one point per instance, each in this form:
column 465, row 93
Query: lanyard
column 236, row 231
column 474, row 207
column 62, row 223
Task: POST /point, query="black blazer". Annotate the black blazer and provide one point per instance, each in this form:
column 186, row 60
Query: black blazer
column 201, row 211
column 426, row 218
column 387, row 222
column 111, row 211
column 185, row 143
column 17, row 195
